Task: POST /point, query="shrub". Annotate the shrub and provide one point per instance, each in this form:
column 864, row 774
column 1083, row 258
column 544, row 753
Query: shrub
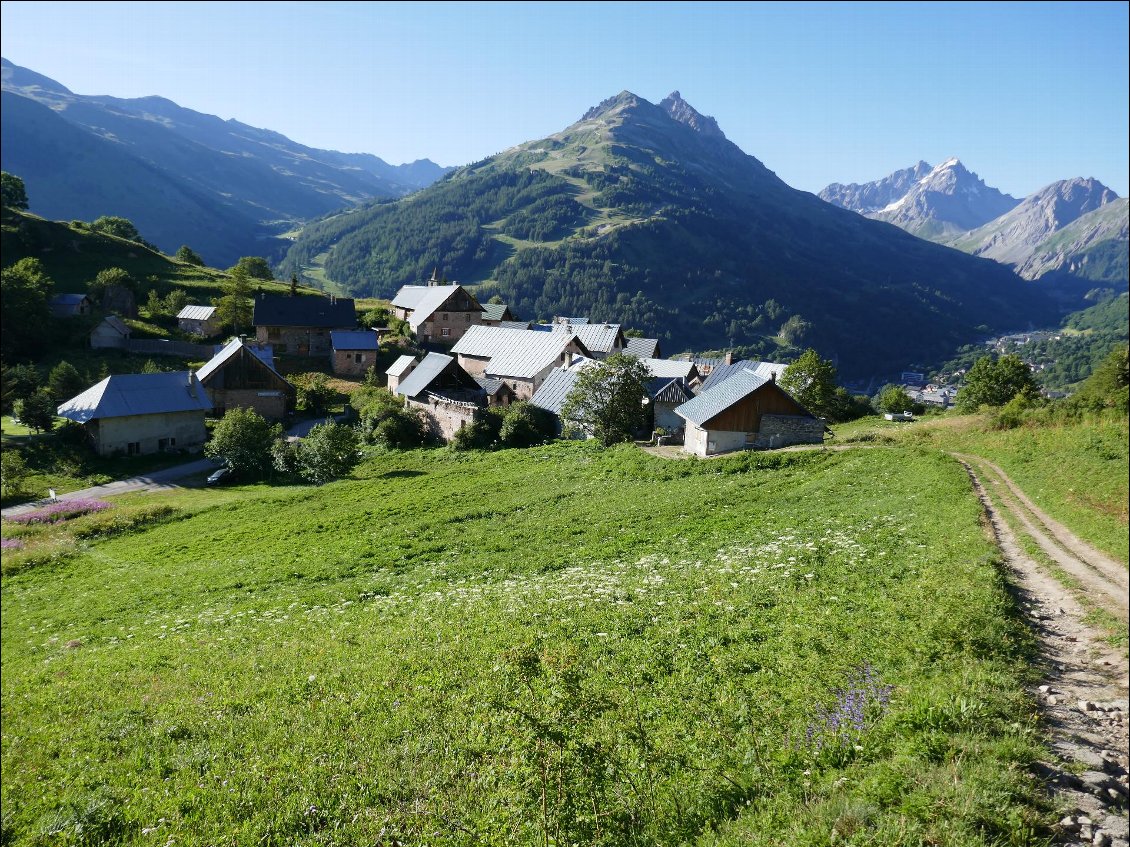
column 524, row 425
column 403, row 429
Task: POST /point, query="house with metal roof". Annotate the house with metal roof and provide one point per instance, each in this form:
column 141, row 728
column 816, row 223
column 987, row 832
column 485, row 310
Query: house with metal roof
column 642, row 348
column 746, row 411
column 238, row 377
column 399, row 370
column 134, row 414
column 601, row 339
column 725, row 370
column 448, row 396
column 520, row 358
column 667, row 394
column 495, row 314
column 675, row 369
column 111, row 333
column 497, row 392
column 301, row 325
column 70, row 305
column 438, row 313
column 199, row 320
column 354, row 351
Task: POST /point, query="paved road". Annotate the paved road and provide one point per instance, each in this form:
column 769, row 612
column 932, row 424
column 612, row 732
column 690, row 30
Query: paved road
column 157, row 481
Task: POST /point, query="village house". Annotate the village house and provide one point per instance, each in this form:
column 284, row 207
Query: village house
column 601, row 339
column 111, row 333
column 666, row 395
column 553, row 391
column 240, row 377
column 399, row 370
column 642, row 348
column 728, row 367
column 449, row 397
column 70, row 305
column 746, row 411
column 520, row 358
column 199, row 320
column 498, row 393
column 675, row 369
column 302, row 325
column 354, row 351
column 135, row 414
column 494, row 314
column 436, row 312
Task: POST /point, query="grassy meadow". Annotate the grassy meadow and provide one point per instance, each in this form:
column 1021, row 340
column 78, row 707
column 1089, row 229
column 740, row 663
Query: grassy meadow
column 554, row 646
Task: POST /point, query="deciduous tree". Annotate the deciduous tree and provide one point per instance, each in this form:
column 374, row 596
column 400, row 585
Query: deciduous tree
column 186, row 255
column 13, row 191
column 243, row 439
column 811, row 381
column 255, row 267
column 607, row 401
column 994, row 382
column 24, row 314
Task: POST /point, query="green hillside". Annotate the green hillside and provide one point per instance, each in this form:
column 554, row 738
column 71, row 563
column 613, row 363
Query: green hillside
column 637, row 216
column 388, row 660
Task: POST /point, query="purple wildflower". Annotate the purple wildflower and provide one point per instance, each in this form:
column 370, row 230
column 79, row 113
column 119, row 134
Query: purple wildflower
column 60, row 511
column 843, row 723
column 11, row 544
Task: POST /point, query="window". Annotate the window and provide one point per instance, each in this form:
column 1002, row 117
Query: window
column 358, row 358
column 445, row 332
column 273, row 333
column 467, row 318
column 445, row 315
column 133, row 448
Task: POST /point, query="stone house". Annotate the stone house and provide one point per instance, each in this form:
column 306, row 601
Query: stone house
column 354, row 351
column 301, row 326
column 437, row 313
column 240, row 377
column 600, row 339
column 449, row 397
column 70, row 305
column 494, row 314
column 111, row 333
column 746, row 411
column 399, row 370
column 521, row 358
column 642, row 348
column 199, row 320
column 135, row 414
column 666, row 394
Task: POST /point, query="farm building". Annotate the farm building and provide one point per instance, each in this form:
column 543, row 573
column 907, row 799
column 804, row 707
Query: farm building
column 746, row 411
column 111, row 333
column 399, row 370
column 199, row 320
column 494, row 314
column 354, row 351
column 449, row 397
column 239, row 377
column 70, row 305
column 437, row 313
column 302, row 325
column 134, row 414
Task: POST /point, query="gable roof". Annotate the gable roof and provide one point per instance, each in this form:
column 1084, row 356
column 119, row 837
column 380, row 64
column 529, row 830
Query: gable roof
column 492, row 386
column 669, row 390
column 196, row 313
column 722, row 396
column 641, row 348
column 514, row 324
column 598, row 338
column 669, row 368
column 229, row 351
column 552, row 393
column 361, row 339
column 123, row 395
column 401, row 365
column 723, row 371
column 274, row 310
column 68, row 299
column 425, row 300
column 115, row 323
column 519, row 353
column 495, row 311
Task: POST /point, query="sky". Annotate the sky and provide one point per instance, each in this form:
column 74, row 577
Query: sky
column 1023, row 93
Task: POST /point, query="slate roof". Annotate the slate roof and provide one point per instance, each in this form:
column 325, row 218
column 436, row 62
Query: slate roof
column 401, row 365
column 122, row 395
column 196, row 313
column 494, row 311
column 641, row 348
column 68, row 299
column 229, row 350
column 552, row 393
column 423, row 300
column 417, row 381
column 720, row 397
column 490, row 386
column 273, row 310
column 669, row 367
column 362, row 339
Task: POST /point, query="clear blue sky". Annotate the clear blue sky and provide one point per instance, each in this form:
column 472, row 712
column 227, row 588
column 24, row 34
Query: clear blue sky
column 1023, row 93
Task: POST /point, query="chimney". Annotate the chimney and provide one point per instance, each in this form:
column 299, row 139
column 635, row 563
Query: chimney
column 729, row 360
column 772, row 376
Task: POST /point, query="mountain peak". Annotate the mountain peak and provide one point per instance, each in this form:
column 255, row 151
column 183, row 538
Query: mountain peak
column 624, row 98
column 683, row 112
column 16, row 77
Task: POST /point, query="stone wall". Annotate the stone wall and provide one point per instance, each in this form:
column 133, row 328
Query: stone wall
column 783, row 430
column 445, row 417
column 270, row 404
column 296, row 341
column 150, row 433
column 345, row 362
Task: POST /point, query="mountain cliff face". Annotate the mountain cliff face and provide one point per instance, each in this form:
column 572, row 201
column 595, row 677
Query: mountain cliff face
column 250, row 182
column 873, row 196
column 645, row 214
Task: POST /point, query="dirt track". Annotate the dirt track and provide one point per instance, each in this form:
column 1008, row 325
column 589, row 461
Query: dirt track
column 1084, row 692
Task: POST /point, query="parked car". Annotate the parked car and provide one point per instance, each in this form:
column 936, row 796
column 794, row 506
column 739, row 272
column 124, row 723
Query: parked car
column 221, row 477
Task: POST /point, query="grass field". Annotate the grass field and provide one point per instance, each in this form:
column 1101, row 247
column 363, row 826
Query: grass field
column 1076, row 471
column 553, row 646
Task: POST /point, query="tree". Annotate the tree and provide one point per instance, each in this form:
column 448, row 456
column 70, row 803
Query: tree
column 893, row 398
column 13, row 473
column 108, row 279
column 1108, row 385
column 314, row 394
column 12, row 190
column 187, row 256
column 175, row 300
column 24, row 314
column 994, row 383
column 120, row 227
column 37, row 411
column 608, row 401
column 20, row 382
column 293, row 285
column 255, row 267
column 327, row 453
column 524, row 425
column 243, row 440
column 65, row 382
column 235, row 307
column 812, row 382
